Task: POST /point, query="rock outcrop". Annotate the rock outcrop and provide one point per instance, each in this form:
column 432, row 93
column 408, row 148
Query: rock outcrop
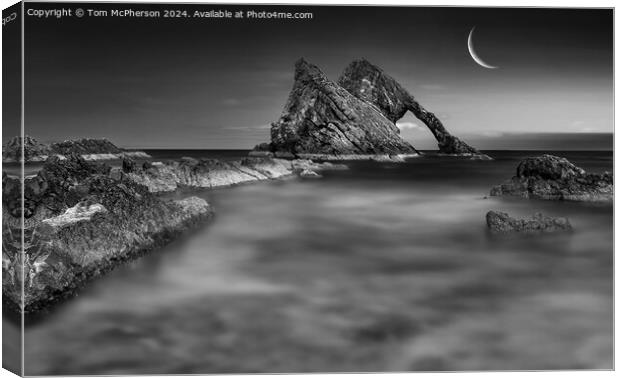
column 212, row 173
column 89, row 149
column 500, row 222
column 371, row 84
column 351, row 120
column 322, row 118
column 80, row 222
column 554, row 178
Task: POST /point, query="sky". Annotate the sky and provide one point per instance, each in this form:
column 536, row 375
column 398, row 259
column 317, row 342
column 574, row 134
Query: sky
column 220, row 83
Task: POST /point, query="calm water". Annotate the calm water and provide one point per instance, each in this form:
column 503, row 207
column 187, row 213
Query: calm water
column 385, row 267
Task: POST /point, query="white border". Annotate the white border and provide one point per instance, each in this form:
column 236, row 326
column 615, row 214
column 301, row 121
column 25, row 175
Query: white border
column 463, row 3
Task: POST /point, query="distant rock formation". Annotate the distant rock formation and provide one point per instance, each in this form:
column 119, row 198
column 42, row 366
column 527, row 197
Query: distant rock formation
column 85, row 146
column 555, row 178
column 352, row 120
column 322, row 118
column 369, row 83
column 500, row 222
column 89, row 149
column 33, row 150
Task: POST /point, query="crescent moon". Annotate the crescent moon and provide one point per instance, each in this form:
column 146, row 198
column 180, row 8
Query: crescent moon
column 472, row 52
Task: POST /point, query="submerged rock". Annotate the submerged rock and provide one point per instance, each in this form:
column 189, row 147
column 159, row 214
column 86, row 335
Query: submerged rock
column 555, row 178
column 321, row 117
column 500, row 222
column 371, row 84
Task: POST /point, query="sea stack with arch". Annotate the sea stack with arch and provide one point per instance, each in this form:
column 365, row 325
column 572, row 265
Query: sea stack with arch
column 352, row 119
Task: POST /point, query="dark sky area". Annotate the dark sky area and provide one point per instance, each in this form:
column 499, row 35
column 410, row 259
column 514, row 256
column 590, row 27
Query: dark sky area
column 207, row 83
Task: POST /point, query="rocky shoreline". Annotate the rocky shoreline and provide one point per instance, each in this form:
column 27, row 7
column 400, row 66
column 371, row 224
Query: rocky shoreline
column 84, row 218
column 211, row 173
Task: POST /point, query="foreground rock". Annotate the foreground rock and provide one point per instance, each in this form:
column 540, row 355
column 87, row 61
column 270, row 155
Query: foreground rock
column 554, row 178
column 80, row 222
column 212, row 173
column 89, row 149
column 371, row 84
column 500, row 222
column 322, row 118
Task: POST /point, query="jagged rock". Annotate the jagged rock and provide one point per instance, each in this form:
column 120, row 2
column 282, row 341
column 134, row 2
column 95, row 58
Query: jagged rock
column 371, row 84
column 500, row 222
column 321, row 117
column 555, row 178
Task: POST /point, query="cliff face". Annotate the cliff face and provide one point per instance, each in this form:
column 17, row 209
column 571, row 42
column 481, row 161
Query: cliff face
column 321, row 117
column 369, row 83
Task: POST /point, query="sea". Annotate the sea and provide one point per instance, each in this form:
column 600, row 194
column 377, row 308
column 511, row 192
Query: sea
column 379, row 268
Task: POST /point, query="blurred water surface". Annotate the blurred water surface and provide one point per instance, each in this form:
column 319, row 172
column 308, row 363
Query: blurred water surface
column 384, row 267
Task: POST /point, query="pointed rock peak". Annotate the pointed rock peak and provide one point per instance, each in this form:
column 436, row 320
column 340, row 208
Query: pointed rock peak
column 305, row 70
column 363, row 65
column 301, row 64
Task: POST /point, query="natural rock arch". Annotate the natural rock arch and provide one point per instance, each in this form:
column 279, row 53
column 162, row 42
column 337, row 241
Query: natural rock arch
column 371, row 84
column 355, row 116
